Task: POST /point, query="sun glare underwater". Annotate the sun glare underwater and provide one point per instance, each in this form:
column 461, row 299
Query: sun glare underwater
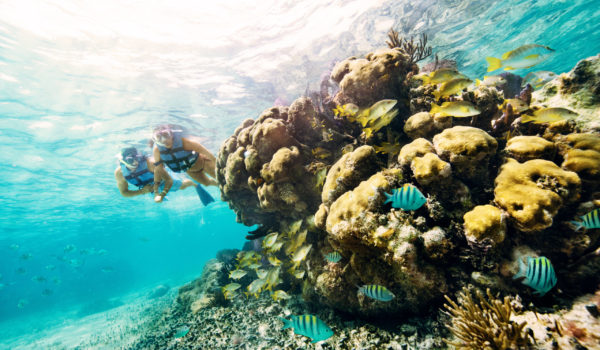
column 309, row 174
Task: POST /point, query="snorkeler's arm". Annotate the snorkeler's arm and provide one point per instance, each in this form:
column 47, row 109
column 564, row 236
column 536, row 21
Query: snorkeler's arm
column 192, row 145
column 124, row 188
column 157, row 165
column 164, row 176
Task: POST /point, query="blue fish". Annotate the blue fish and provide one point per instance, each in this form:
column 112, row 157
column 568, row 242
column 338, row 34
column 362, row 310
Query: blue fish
column 407, row 197
column 376, row 292
column 589, row 220
column 539, row 274
column 333, row 257
column 308, row 325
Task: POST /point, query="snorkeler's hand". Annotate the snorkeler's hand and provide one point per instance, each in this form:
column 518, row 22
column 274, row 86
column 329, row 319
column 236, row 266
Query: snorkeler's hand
column 158, row 198
column 148, row 188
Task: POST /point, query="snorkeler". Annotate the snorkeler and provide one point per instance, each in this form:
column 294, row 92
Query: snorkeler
column 181, row 154
column 137, row 169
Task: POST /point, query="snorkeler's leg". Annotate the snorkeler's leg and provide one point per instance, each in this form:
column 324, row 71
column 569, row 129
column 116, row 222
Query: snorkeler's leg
column 185, row 183
column 201, row 178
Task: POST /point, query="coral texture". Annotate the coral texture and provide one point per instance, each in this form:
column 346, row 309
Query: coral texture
column 485, row 223
column 524, row 148
column 533, row 192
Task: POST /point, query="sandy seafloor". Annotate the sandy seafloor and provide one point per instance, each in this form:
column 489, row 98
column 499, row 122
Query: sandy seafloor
column 246, row 323
column 115, row 328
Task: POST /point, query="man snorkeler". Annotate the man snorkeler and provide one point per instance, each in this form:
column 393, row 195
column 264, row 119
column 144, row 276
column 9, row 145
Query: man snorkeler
column 137, row 169
column 183, row 154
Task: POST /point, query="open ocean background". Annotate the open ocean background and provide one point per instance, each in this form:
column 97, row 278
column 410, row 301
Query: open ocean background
column 79, row 80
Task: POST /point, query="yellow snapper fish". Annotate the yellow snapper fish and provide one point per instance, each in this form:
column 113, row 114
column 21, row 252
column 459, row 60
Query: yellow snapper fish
column 549, row 115
column 255, row 287
column 269, row 240
column 280, row 295
column 296, row 242
column 274, row 261
column 348, row 111
column 321, row 153
column 452, row 87
column 294, row 226
column 237, row 274
column 275, row 247
column 384, row 120
column 455, row 109
column 254, row 265
column 261, row 273
column 539, row 78
column 272, row 278
column 518, row 105
column 298, row 273
column 441, row 75
column 490, row 81
column 525, row 56
column 377, row 110
column 230, row 287
column 389, row 148
column 301, row 253
column 321, row 176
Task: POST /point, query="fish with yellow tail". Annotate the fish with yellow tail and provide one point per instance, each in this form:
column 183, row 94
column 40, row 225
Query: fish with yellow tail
column 256, row 287
column 525, row 56
column 280, row 295
column 539, row 78
column 376, row 111
column 490, row 81
column 229, row 290
column 379, row 123
column 452, row 87
column 388, row 148
column 455, row 109
column 549, row 115
column 518, row 105
column 439, row 76
column 348, row 111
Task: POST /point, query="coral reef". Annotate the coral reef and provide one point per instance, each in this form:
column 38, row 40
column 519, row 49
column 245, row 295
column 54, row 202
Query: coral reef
column 468, row 149
column 498, row 190
column 380, row 75
column 485, row 224
column 578, row 90
column 416, row 51
column 524, row 148
column 534, row 191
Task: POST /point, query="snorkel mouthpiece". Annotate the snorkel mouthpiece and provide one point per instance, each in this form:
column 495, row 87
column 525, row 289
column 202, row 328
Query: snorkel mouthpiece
column 129, row 155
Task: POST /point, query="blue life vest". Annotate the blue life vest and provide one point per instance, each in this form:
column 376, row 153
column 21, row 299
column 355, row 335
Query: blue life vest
column 141, row 176
column 176, row 158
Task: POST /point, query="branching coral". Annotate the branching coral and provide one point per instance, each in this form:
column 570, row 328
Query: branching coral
column 417, row 51
column 484, row 325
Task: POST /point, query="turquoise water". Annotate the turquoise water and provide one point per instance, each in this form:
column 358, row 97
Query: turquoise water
column 80, row 81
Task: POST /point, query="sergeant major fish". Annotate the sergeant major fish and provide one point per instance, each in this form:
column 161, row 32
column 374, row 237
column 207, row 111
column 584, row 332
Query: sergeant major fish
column 308, row 325
column 589, row 220
column 539, row 274
column 376, row 292
column 333, row 257
column 407, row 197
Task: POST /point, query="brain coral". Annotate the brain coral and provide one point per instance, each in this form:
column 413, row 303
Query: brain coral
column 533, row 192
column 467, row 149
column 364, row 81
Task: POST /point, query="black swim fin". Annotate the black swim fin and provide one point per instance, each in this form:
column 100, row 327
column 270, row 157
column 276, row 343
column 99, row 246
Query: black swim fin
column 205, row 197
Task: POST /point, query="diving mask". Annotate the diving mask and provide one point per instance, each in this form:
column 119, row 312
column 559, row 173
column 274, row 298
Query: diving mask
column 160, row 137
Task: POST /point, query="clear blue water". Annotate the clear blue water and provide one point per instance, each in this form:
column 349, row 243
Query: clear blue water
column 78, row 81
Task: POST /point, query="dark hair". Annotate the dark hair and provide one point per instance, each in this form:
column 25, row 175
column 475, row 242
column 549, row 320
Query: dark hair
column 129, row 151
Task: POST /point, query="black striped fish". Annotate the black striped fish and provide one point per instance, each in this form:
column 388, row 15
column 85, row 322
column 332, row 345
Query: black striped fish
column 376, row 292
column 539, row 274
column 589, row 220
column 333, row 257
column 407, row 197
column 308, row 325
